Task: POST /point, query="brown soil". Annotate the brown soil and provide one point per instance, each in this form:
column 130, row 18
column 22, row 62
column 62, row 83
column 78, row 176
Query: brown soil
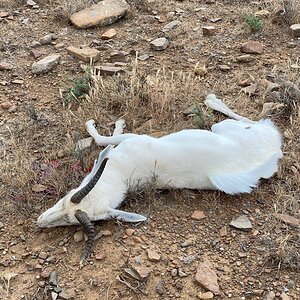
column 38, row 134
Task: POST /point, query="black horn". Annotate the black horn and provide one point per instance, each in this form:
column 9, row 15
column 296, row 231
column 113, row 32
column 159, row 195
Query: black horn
column 82, row 217
column 79, row 195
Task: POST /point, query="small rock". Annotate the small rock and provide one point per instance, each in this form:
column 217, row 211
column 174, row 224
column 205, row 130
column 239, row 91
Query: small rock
column 292, row 45
column 215, row 20
column 53, row 279
column 106, row 232
column 245, row 58
column 67, row 294
column 206, row 277
column 101, row 14
column 295, row 28
column 198, row 215
column 46, row 64
column 78, row 236
column 200, row 69
column 1, row 225
column 54, row 296
column 84, row 54
column 35, row 44
column 41, row 283
column 223, row 231
column 4, row 66
column 224, row 68
column 270, row 296
column 159, row 44
column 117, row 56
column 144, row 57
column 153, row 256
column 45, row 274
column 252, row 47
column 43, row 255
column 288, row 219
column 100, row 256
column 170, row 26
column 160, row 287
column 59, row 46
column 109, row 34
column 258, row 292
column 6, row 105
column 242, row 223
column 188, row 259
column 36, row 53
column 4, row 14
column 17, row 81
column 143, row 272
column 284, row 296
column 207, row 295
column 174, row 272
column 109, row 70
column 30, row 3
column 129, row 231
column 46, row 40
column 208, row 30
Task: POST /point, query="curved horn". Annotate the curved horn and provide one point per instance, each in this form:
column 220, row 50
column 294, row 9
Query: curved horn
column 82, row 217
column 79, row 195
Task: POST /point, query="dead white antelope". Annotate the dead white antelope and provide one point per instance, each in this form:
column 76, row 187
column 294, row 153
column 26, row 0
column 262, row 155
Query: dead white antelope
column 232, row 157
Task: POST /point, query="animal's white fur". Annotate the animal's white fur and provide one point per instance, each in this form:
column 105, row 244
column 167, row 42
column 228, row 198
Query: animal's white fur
column 232, row 157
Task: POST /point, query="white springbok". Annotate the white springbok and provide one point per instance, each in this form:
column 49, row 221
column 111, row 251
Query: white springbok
column 232, row 157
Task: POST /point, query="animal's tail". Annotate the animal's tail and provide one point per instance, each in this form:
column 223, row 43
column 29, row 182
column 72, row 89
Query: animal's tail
column 216, row 104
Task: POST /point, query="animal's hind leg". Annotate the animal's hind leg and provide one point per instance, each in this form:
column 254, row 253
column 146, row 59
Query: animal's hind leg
column 216, row 104
column 101, row 140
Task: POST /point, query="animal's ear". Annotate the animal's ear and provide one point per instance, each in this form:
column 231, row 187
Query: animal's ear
column 126, row 216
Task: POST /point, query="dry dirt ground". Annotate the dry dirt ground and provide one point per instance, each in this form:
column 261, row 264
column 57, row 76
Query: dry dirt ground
column 39, row 164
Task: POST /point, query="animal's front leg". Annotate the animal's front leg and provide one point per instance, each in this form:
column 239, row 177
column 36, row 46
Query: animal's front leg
column 107, row 140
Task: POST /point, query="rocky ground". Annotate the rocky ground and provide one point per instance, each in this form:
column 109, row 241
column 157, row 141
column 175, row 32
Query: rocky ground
column 165, row 57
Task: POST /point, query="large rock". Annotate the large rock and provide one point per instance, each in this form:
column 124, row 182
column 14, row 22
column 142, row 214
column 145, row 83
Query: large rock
column 46, row 64
column 104, row 13
column 207, row 278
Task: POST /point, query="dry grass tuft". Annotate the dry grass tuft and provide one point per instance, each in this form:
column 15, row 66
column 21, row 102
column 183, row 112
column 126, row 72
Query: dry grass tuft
column 292, row 8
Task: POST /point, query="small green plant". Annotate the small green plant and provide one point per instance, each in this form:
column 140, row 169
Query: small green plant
column 80, row 87
column 253, row 22
column 202, row 118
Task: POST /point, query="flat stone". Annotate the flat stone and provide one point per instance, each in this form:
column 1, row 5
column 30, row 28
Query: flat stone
column 6, row 105
column 4, row 14
column 207, row 295
column 85, row 54
column 129, row 231
column 224, row 68
column 143, row 272
column 170, row 26
column 198, row 215
column 109, row 34
column 5, row 66
column 295, row 29
column 46, row 40
column 252, row 47
column 46, row 64
column 30, row 3
column 78, row 236
column 288, row 219
column 109, row 70
column 67, row 294
column 100, row 255
column 103, row 13
column 245, row 58
column 208, row 30
column 215, row 20
column 153, row 256
column 159, row 44
column 43, row 255
column 206, row 277
column 223, row 231
column 106, row 232
column 35, row 44
column 117, row 56
column 242, row 223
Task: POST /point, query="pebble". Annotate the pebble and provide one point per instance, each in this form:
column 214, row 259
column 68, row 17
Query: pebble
column 200, row 69
column 106, row 232
column 78, row 236
column 295, row 29
column 159, row 44
column 143, row 272
column 207, row 295
column 198, row 215
column 1, row 224
column 153, row 256
column 36, row 53
column 270, row 296
column 43, row 255
column 206, row 277
column 208, row 30
column 129, row 231
column 160, row 287
column 46, row 40
column 224, row 68
column 67, row 294
column 284, row 296
column 245, row 58
column 5, row 66
column 252, row 47
column 46, row 64
column 170, row 26
column 5, row 105
column 223, row 231
column 100, row 256
column 45, row 274
column 109, row 34
column 242, row 223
